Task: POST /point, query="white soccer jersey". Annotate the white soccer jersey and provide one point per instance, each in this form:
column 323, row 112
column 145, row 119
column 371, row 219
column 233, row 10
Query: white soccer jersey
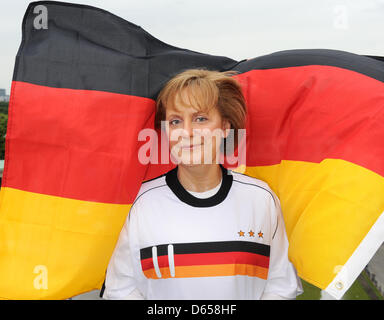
column 231, row 245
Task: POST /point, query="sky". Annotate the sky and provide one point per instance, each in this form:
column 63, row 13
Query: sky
column 238, row 29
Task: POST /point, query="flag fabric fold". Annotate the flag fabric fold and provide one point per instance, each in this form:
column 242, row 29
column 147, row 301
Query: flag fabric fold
column 85, row 87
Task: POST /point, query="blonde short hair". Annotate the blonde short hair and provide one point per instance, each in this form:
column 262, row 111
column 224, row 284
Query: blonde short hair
column 206, row 89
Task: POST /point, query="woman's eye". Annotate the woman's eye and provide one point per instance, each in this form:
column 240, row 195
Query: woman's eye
column 201, row 119
column 174, row 122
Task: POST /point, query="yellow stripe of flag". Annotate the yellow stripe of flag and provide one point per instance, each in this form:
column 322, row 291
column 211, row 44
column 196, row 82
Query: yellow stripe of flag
column 45, row 239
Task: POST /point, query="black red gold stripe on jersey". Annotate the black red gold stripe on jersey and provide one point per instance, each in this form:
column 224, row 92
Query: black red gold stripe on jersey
column 206, row 259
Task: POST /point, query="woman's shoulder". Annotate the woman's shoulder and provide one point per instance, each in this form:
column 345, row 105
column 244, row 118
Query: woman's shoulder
column 244, row 181
column 151, row 187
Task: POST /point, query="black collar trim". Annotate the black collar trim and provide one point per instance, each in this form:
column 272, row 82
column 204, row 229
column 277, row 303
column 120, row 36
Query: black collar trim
column 176, row 187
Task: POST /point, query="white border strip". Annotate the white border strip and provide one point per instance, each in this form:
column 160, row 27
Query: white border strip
column 367, row 248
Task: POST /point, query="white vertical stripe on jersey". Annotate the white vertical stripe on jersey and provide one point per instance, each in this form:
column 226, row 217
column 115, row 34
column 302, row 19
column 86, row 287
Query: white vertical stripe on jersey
column 171, row 260
column 155, row 262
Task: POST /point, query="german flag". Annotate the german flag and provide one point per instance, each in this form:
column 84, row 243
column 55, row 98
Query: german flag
column 206, row 259
column 85, row 86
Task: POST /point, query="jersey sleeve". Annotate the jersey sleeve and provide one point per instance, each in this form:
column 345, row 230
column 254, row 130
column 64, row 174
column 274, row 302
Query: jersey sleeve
column 282, row 281
column 121, row 280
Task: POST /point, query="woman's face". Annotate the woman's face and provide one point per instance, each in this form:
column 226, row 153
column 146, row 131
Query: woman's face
column 194, row 136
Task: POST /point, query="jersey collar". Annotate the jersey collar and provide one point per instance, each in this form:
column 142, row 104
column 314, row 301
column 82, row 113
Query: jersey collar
column 176, row 187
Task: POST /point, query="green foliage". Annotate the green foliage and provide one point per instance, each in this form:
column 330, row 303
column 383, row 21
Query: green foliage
column 4, row 107
column 361, row 289
column 3, row 127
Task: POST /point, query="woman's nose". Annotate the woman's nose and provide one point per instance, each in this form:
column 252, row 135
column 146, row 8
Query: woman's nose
column 188, row 128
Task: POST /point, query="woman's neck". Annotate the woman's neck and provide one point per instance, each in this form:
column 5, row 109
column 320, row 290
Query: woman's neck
column 199, row 178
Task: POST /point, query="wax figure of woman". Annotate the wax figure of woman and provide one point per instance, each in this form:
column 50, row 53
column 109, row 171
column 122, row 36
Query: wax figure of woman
column 201, row 231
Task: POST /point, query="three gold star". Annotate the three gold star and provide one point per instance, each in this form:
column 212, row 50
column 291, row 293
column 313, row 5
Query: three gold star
column 251, row 234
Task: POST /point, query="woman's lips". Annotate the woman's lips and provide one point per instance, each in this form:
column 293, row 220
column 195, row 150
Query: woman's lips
column 191, row 146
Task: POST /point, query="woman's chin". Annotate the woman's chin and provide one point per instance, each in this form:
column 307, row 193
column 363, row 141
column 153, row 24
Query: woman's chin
column 194, row 162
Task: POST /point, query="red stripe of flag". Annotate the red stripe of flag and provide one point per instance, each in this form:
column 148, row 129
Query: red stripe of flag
column 310, row 113
column 78, row 144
